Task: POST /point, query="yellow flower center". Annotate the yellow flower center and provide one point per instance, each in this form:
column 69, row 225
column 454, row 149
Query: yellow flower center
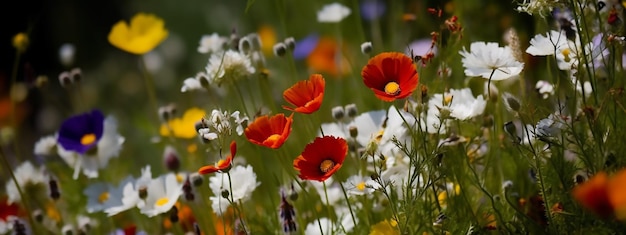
column 447, row 100
column 179, row 178
column 379, row 136
column 192, row 148
column 326, row 165
column 566, row 52
column 88, row 139
column 220, row 163
column 273, row 138
column 103, row 197
column 360, row 186
column 162, row 201
column 392, row 88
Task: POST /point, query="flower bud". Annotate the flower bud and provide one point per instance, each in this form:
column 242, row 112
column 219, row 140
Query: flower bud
column 76, row 75
column 171, row 159
column 290, row 43
column 196, row 179
column 65, row 79
column 337, row 112
column 225, row 194
column 280, row 49
column 143, row 192
column 511, row 102
column 20, row 42
column 55, row 194
column 506, row 185
column 351, row 110
column 354, row 132
column 174, row 214
column 366, row 48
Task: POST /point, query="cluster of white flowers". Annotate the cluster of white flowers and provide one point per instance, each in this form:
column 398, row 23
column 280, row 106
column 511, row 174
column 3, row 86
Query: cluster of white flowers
column 26, row 175
column 220, row 123
column 243, row 181
column 152, row 196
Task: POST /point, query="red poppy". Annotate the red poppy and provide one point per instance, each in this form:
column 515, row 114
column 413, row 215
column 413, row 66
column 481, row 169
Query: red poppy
column 270, row 132
column 222, row 165
column 306, row 95
column 8, row 209
column 322, row 158
column 391, row 75
column 594, row 196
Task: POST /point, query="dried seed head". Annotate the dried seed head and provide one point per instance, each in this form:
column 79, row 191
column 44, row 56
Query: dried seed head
column 337, row 112
column 366, row 48
column 290, row 43
column 351, row 110
column 280, row 49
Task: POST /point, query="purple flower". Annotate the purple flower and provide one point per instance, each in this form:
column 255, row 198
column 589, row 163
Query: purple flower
column 80, row 133
column 372, row 9
column 305, row 46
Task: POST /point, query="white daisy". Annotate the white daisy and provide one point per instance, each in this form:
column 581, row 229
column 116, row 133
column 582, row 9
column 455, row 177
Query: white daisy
column 130, row 193
column 212, row 43
column 359, row 185
column 102, row 196
column 243, row 183
column 29, row 178
column 461, row 103
column 490, row 61
column 163, row 192
column 547, row 45
column 228, row 67
column 46, row 146
column 545, row 88
column 333, row 13
column 108, row 147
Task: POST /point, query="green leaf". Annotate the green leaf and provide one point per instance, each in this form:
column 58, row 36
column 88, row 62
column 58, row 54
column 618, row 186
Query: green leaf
column 249, row 4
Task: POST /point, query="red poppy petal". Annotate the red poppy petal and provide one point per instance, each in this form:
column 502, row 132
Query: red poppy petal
column 233, row 148
column 207, row 170
column 593, row 195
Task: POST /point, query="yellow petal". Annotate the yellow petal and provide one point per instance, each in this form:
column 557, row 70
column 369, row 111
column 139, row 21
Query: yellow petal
column 146, row 31
column 184, row 127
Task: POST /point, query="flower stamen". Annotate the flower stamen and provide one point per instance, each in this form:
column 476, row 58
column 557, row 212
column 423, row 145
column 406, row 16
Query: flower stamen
column 88, row 139
column 392, row 88
column 326, row 165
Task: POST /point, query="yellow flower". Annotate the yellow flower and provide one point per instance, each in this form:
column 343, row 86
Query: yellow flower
column 184, row 127
column 386, row 227
column 145, row 32
column 20, row 42
column 268, row 38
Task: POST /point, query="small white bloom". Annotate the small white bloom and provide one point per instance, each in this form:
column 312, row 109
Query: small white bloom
column 191, row 84
column 130, row 193
column 108, row 147
column 27, row 176
column 163, row 192
column 67, row 54
column 550, row 126
column 313, row 228
column 243, row 183
column 359, row 185
column 228, row 67
column 490, row 61
column 462, row 104
column 101, row 196
column 547, row 45
column 540, row 7
column 333, row 13
column 240, row 122
column 46, row 146
column 546, row 89
column 212, row 43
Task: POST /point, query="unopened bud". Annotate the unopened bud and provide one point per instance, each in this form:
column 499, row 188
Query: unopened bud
column 20, row 42
column 337, row 112
column 67, row 229
column 374, row 176
column 354, row 132
column 293, row 196
column 280, row 49
column 225, row 194
column 174, row 214
column 290, row 43
column 366, row 48
column 54, row 189
column 244, row 45
column 511, row 102
column 172, row 162
column 506, row 185
column 38, row 215
column 76, row 75
column 196, row 179
column 65, row 79
column 351, row 110
column 143, row 192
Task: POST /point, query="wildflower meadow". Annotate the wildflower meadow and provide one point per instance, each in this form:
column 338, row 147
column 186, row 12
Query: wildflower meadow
column 313, row 117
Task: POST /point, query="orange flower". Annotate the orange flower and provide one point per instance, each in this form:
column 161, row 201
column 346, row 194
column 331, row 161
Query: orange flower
column 617, row 194
column 324, row 58
column 322, row 158
column 594, row 195
column 391, row 75
column 270, row 132
column 306, row 95
column 222, row 165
